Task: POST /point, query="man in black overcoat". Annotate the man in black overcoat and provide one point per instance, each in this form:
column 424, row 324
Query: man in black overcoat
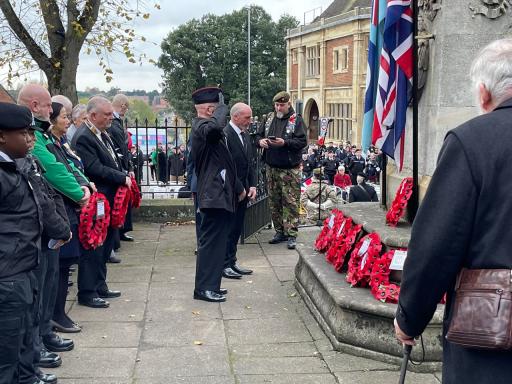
column 464, row 220
column 217, row 191
column 240, row 147
column 103, row 166
column 362, row 192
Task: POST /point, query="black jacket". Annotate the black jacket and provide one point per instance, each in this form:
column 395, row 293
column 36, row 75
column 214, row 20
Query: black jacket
column 99, row 166
column 120, row 140
column 214, row 166
column 463, row 221
column 290, row 155
column 242, row 157
column 356, row 165
column 357, row 194
column 176, row 164
column 21, row 222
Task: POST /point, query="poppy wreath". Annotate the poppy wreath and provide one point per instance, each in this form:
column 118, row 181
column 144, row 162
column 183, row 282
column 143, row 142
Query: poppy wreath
column 397, row 209
column 345, row 224
column 344, row 249
column 360, row 263
column 328, row 233
column 92, row 231
column 380, row 286
column 121, row 201
column 135, row 194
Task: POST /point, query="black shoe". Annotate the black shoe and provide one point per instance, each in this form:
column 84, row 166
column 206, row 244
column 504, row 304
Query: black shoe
column 229, row 273
column 125, row 237
column 48, row 359
column 241, row 270
column 48, row 378
column 113, row 258
column 109, row 294
column 55, row 343
column 95, row 302
column 209, row 296
column 278, row 238
column 222, row 291
column 74, row 328
column 292, row 242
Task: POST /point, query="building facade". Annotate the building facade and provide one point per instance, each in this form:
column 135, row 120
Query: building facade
column 326, row 69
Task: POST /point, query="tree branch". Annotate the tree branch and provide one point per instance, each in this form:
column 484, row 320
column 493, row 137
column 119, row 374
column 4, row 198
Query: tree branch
column 54, row 26
column 22, row 34
column 89, row 15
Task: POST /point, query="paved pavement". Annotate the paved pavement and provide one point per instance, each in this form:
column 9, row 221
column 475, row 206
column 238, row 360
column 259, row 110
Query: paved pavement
column 156, row 333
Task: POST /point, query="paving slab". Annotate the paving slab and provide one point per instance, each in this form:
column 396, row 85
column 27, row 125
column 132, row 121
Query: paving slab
column 155, row 333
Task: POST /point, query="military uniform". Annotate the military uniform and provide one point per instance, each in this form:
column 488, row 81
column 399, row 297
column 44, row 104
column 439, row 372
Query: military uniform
column 314, row 196
column 283, row 167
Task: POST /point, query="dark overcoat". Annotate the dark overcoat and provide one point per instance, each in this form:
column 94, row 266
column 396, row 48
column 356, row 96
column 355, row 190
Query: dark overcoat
column 463, row 221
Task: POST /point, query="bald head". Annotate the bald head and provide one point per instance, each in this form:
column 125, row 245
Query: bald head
column 120, row 103
column 241, row 115
column 37, row 99
column 68, row 105
column 99, row 112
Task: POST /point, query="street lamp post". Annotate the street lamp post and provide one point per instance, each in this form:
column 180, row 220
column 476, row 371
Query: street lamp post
column 249, row 55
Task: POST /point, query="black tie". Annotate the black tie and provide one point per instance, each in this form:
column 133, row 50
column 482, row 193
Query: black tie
column 244, row 139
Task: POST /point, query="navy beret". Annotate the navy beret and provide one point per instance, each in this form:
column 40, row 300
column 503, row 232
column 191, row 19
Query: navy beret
column 14, row 117
column 206, row 95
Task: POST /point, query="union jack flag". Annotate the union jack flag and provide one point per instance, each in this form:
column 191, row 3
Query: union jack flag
column 395, row 81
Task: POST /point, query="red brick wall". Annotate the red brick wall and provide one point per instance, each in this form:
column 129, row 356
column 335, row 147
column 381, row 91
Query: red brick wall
column 339, row 79
column 295, row 77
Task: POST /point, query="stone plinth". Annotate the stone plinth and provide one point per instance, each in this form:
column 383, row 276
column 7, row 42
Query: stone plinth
column 352, row 318
column 163, row 210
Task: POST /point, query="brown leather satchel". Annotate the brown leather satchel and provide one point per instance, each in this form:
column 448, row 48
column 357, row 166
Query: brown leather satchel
column 482, row 311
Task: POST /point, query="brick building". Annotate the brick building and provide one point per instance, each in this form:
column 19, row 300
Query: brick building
column 326, row 68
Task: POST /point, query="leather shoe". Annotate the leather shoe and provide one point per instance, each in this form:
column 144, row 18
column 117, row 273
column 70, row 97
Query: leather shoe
column 60, row 328
column 211, row 296
column 48, row 359
column 291, row 243
column 113, row 258
column 109, row 294
column 48, row 378
column 94, row 302
column 222, row 291
column 229, row 273
column 55, row 343
column 125, row 237
column 241, row 270
column 278, row 238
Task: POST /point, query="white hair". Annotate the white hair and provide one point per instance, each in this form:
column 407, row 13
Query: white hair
column 78, row 110
column 95, row 102
column 493, row 68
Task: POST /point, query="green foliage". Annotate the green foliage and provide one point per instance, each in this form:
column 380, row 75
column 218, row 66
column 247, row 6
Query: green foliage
column 213, row 51
column 140, row 111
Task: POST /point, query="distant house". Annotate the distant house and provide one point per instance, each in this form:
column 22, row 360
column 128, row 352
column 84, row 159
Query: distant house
column 5, row 97
column 326, row 68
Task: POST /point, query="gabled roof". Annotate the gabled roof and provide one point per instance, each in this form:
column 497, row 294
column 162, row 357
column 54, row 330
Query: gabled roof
column 338, row 7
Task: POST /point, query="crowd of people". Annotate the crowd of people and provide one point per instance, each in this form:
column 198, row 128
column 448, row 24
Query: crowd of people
column 53, row 157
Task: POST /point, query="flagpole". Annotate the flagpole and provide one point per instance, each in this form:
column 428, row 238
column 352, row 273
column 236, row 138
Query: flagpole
column 414, row 201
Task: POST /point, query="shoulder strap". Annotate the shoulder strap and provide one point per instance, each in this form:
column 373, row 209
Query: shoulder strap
column 365, row 192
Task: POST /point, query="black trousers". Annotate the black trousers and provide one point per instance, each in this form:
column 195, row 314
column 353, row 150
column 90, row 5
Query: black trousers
column 17, row 298
column 128, row 222
column 49, row 291
column 59, row 311
column 92, row 269
column 198, row 218
column 235, row 230
column 211, row 250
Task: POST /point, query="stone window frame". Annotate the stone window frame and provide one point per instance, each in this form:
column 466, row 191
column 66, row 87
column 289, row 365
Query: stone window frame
column 313, row 61
column 341, row 113
column 295, row 56
column 337, row 53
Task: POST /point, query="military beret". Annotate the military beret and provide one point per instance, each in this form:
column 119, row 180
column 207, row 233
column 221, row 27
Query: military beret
column 14, row 117
column 206, row 95
column 281, row 97
column 362, row 174
column 317, row 171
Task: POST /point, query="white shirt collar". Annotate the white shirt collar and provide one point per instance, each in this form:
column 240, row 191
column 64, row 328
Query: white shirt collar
column 237, row 130
column 116, row 115
column 6, row 157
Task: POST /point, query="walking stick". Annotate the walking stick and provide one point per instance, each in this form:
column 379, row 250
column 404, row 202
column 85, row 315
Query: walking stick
column 405, row 361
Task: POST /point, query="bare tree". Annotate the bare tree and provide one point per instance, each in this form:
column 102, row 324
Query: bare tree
column 48, row 35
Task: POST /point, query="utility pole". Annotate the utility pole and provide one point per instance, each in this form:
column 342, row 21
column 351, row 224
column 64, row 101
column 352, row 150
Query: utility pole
column 249, row 55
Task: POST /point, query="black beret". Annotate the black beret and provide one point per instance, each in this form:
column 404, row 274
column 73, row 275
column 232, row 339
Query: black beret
column 206, row 95
column 362, row 174
column 14, row 117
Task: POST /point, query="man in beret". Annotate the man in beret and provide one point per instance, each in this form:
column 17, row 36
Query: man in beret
column 362, row 192
column 217, row 191
column 283, row 137
column 21, row 226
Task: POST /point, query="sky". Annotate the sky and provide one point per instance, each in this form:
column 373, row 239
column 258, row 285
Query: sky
column 172, row 14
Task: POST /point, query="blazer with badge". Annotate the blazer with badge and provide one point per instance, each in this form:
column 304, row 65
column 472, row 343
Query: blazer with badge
column 242, row 157
column 99, row 165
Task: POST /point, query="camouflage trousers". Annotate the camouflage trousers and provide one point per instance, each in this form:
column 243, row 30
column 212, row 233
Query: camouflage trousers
column 284, row 197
